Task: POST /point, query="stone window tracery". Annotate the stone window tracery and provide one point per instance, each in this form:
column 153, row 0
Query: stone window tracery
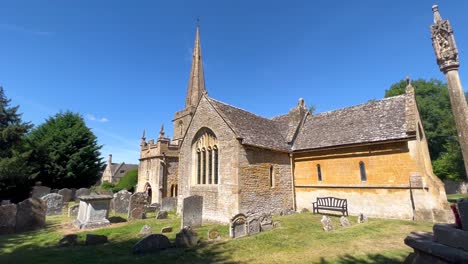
column 206, row 147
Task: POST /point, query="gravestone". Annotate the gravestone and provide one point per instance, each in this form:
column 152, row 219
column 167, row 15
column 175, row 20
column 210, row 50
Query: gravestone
column 54, row 191
column 92, row 239
column 39, row 191
column 66, row 193
column 462, row 206
column 166, row 229
column 73, row 195
column 145, row 230
column 254, row 226
column 192, row 211
column 169, row 204
column 362, row 218
column 161, row 215
column 152, row 243
column 326, row 223
column 68, row 240
column 186, row 238
column 238, row 226
column 54, row 203
column 213, row 234
column 266, row 222
column 81, row 192
column 344, row 221
column 137, row 206
column 93, row 211
column 73, row 210
column 30, row 214
column 5, row 202
column 7, row 219
column 121, row 201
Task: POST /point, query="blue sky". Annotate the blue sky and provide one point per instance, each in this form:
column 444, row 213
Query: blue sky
column 124, row 65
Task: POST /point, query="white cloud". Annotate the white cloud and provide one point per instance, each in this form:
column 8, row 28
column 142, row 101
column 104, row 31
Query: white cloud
column 92, row 117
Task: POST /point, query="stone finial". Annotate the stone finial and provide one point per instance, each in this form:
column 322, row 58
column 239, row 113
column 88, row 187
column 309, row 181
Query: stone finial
column 409, row 87
column 143, row 137
column 443, row 43
column 301, row 102
column 161, row 132
column 437, row 17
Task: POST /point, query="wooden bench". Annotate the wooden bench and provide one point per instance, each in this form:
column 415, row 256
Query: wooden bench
column 331, row 203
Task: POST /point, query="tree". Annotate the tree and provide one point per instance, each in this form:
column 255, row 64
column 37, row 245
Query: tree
column 15, row 169
column 434, row 107
column 67, row 153
column 128, row 182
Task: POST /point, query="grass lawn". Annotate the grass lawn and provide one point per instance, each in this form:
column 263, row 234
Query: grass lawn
column 454, row 197
column 300, row 239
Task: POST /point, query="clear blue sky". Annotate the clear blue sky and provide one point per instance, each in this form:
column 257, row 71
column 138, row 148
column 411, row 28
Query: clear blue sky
column 124, row 65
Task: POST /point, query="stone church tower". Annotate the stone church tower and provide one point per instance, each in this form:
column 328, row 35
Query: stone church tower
column 196, row 88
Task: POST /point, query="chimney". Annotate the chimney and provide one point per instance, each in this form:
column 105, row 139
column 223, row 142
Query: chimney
column 110, row 159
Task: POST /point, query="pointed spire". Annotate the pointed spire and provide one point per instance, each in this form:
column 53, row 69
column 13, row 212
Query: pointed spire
column 143, row 137
column 161, row 132
column 437, row 17
column 196, row 85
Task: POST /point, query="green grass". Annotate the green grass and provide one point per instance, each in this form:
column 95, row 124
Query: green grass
column 298, row 240
column 454, row 197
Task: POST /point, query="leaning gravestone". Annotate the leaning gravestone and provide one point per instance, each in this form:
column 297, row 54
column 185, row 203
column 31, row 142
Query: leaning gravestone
column 121, row 201
column 254, row 226
column 30, row 215
column 39, row 191
column 238, row 226
column 344, row 221
column 266, row 222
column 192, row 211
column 169, row 204
column 54, row 203
column 81, row 192
column 326, row 223
column 137, row 205
column 7, row 219
column 66, row 193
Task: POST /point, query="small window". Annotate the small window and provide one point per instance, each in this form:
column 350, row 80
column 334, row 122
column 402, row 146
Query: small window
column 319, row 173
column 198, row 167
column 362, row 169
column 215, row 165
column 122, row 171
column 272, row 177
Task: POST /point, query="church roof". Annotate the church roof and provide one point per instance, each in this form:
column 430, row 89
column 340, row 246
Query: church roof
column 374, row 121
column 252, row 129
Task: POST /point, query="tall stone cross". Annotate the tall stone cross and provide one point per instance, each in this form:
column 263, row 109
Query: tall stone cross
column 446, row 53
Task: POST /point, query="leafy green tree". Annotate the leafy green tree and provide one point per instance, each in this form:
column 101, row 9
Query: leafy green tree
column 128, row 182
column 67, row 153
column 15, row 169
column 433, row 103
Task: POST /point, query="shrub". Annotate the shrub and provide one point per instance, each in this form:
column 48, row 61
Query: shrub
column 128, row 182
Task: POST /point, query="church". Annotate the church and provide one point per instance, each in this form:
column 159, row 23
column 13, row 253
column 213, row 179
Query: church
column 375, row 155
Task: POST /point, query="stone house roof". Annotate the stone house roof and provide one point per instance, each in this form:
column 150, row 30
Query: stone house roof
column 375, row 121
column 120, row 169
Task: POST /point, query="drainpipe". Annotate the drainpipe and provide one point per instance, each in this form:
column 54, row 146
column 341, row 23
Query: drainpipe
column 291, row 157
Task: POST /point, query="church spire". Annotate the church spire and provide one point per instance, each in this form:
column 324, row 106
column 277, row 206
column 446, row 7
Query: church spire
column 196, row 85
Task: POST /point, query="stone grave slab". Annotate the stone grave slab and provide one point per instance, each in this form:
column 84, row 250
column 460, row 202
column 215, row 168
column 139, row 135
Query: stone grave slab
column 137, row 206
column 238, row 226
column 93, row 211
column 121, row 201
column 7, row 219
column 169, row 204
column 30, row 215
column 54, row 203
column 66, row 193
column 192, row 211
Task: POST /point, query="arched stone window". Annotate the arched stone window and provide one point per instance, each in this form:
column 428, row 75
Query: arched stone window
column 206, row 147
column 362, row 169
column 173, row 190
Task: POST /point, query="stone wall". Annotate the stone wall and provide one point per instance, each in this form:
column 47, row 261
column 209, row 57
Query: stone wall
column 454, row 187
column 172, row 170
column 220, row 201
column 259, row 193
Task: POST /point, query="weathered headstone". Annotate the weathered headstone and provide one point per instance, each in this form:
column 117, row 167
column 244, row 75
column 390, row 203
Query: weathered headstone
column 30, row 215
column 192, row 211
column 362, row 218
column 213, row 234
column 276, row 224
column 121, row 201
column 161, row 215
column 137, row 205
column 39, row 191
column 68, row 240
column 152, row 243
column 81, row 192
column 73, row 195
column 344, row 221
column 186, row 238
column 451, row 236
column 254, row 226
column 462, row 205
column 93, row 211
column 266, row 222
column 145, row 230
column 238, row 226
column 73, row 210
column 169, row 204
column 54, row 191
column 5, row 202
column 7, row 219
column 92, row 239
column 66, row 193
column 166, row 229
column 326, row 223
column 54, row 203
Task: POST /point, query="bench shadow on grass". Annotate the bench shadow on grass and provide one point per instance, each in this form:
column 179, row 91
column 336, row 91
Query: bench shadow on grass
column 368, row 259
column 112, row 252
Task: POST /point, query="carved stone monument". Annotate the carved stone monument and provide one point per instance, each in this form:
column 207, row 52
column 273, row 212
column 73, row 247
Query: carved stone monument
column 238, row 226
column 137, row 205
column 121, row 201
column 54, row 203
column 93, row 211
column 192, row 211
column 446, row 53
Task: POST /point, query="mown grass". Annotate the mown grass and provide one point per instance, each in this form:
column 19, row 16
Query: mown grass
column 300, row 239
column 454, row 197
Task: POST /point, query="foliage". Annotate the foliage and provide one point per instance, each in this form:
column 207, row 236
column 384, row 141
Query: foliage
column 15, row 169
column 109, row 186
column 128, row 182
column 434, row 107
column 300, row 239
column 67, row 153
